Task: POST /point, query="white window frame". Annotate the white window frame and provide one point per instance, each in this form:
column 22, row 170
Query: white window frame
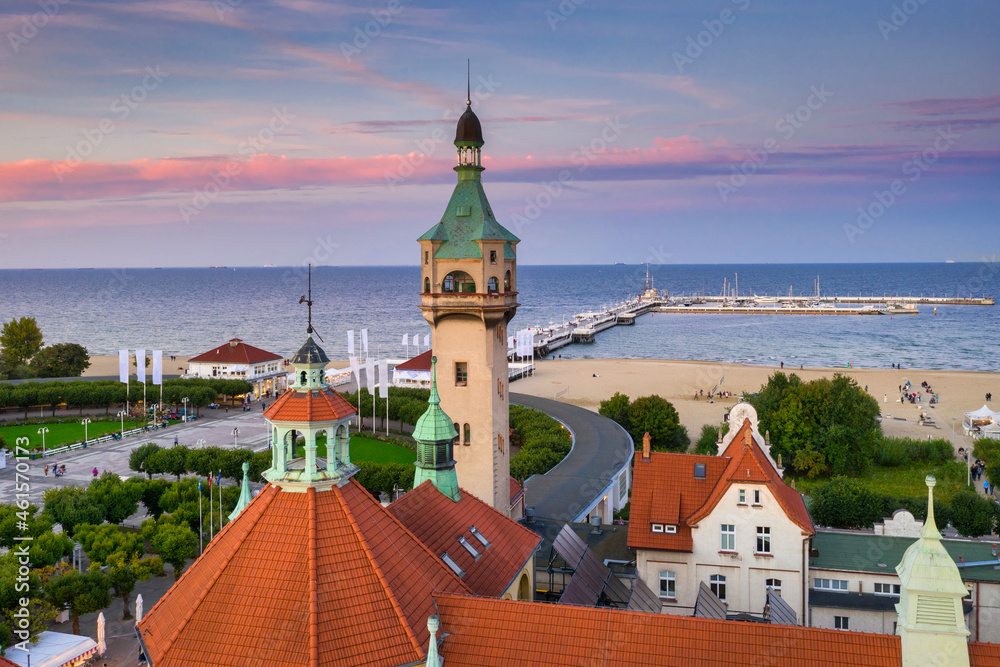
column 670, row 579
column 774, row 584
column 727, row 537
column 756, row 498
column 841, row 622
column 834, row 585
column 893, row 589
column 763, row 540
column 657, row 527
column 717, row 584
column 670, row 529
column 743, row 497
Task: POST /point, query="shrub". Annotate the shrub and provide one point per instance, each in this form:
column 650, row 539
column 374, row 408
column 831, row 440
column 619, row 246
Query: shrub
column 708, row 441
column 846, row 503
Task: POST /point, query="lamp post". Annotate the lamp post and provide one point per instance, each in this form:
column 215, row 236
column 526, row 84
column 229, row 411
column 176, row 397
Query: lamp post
column 185, row 402
column 122, row 415
column 43, row 431
column 85, row 438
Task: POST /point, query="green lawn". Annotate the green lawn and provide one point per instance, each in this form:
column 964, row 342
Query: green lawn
column 61, row 434
column 366, row 449
column 906, row 480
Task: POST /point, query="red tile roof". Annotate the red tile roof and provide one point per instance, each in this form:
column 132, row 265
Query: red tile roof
column 982, row 654
column 516, row 491
column 484, row 632
column 310, row 406
column 421, row 362
column 438, row 522
column 235, row 352
column 4, row 662
column 313, row 578
column 665, row 490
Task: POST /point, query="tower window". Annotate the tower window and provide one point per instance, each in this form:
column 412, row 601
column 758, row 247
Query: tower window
column 500, row 442
column 468, row 434
column 506, row 282
column 427, row 257
column 427, row 285
column 461, row 373
column 492, row 285
column 459, row 281
column 493, row 256
column 302, row 378
column 458, row 431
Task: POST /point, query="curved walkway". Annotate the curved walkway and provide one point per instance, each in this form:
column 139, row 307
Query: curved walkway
column 601, row 451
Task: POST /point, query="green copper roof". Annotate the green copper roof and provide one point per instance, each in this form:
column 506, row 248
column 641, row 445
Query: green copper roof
column 434, row 425
column 245, row 496
column 467, row 219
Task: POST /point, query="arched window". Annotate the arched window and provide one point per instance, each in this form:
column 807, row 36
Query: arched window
column 774, row 584
column 492, row 285
column 524, row 588
column 717, row 583
column 506, row 282
column 458, row 434
column 427, row 285
column 302, row 378
column 468, row 434
column 459, row 281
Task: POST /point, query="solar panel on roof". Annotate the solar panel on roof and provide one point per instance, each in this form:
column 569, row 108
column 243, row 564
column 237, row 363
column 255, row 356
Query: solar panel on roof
column 593, row 583
column 579, row 593
column 777, row 611
column 643, row 598
column 708, row 605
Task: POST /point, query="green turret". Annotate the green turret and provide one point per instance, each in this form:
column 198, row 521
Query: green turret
column 435, row 435
column 245, row 495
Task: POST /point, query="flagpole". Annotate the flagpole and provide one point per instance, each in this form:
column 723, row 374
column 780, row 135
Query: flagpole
column 211, row 499
column 201, row 531
column 219, row 484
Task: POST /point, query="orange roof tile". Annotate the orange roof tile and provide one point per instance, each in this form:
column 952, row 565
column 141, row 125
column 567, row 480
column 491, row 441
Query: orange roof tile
column 327, row 577
column 4, row 662
column 438, row 522
column 310, row 406
column 235, row 352
column 982, row 654
column 484, row 632
column 516, row 490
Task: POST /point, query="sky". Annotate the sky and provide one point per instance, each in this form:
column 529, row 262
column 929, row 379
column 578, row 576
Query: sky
column 254, row 132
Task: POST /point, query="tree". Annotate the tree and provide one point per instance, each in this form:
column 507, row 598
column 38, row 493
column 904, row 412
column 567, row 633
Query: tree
column 138, row 458
column 119, row 499
column 60, row 360
column 530, row 462
column 40, row 612
column 972, row 515
column 124, row 572
column 172, row 461
column 152, row 491
column 70, row 506
column 48, row 549
column 616, row 408
column 708, row 441
column 175, row 544
column 99, row 542
column 20, row 339
column 846, row 503
column 80, row 593
column 658, row 417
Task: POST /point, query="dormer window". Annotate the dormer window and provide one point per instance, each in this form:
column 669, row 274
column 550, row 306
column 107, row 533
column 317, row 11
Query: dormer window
column 657, row 527
column 699, row 471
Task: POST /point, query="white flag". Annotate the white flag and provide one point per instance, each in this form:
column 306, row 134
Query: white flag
column 427, row 341
column 383, row 376
column 406, row 340
column 510, row 342
column 123, row 366
column 157, row 367
column 416, row 341
column 370, row 375
column 140, row 365
column 356, row 371
column 364, row 341
column 350, row 343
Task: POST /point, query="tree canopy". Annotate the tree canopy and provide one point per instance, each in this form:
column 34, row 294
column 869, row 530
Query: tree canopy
column 60, row 360
column 648, row 414
column 20, row 339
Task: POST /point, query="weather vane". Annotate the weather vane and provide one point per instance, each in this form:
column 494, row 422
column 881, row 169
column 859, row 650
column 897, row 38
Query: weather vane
column 308, row 301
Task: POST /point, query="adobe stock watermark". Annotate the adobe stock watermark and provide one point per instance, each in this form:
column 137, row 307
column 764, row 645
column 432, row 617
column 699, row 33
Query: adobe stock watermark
column 786, row 126
column 408, row 164
column 913, row 169
column 363, row 35
column 220, row 179
column 31, row 26
column 321, row 254
column 706, row 38
column 901, row 13
column 551, row 190
column 563, row 11
column 224, row 6
column 122, row 107
column 21, row 621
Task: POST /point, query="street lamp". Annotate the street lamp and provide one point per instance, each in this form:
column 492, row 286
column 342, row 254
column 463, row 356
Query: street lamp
column 236, row 437
column 185, row 402
column 43, row 431
column 122, row 415
column 85, row 438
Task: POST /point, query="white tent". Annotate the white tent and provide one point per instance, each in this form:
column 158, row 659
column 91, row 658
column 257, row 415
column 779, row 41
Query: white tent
column 981, row 417
column 55, row 649
column 991, row 431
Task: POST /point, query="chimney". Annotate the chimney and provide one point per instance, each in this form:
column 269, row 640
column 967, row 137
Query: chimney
column 645, row 446
column 529, row 515
column 595, row 524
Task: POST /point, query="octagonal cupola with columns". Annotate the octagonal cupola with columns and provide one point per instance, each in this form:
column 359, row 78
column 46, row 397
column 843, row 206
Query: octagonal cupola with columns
column 310, row 413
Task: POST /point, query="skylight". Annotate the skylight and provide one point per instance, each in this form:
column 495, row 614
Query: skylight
column 479, row 536
column 453, row 565
column 468, row 547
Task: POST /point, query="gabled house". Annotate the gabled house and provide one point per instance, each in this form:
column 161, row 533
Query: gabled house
column 729, row 521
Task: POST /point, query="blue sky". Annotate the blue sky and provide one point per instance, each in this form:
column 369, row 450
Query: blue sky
column 197, row 132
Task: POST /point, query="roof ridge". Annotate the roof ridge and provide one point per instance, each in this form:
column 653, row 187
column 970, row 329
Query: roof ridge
column 313, row 580
column 481, row 502
column 208, row 586
column 396, row 607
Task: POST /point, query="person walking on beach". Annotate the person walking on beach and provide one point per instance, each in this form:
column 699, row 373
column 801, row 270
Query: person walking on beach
column 46, row 469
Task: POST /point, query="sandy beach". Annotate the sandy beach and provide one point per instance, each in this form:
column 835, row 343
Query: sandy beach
column 106, row 365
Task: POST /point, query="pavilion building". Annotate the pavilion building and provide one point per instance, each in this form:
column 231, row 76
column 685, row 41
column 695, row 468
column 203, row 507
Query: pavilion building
column 236, row 360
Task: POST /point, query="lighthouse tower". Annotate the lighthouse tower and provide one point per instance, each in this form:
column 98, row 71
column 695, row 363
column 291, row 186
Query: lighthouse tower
column 468, row 276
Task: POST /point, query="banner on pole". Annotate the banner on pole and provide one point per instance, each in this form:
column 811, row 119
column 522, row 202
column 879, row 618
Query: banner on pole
column 416, row 341
column 364, row 341
column 427, row 341
column 357, row 372
column 140, row 365
column 406, row 339
column 158, row 367
column 370, row 375
column 123, row 366
column 350, row 343
column 383, row 377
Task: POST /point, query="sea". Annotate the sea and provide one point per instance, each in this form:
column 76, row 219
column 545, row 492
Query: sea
column 186, row 311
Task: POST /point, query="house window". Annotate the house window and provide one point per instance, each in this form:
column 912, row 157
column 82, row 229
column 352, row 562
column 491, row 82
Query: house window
column 717, row 583
column 841, row 623
column 839, row 585
column 756, row 496
column 728, row 537
column 743, row 497
column 763, row 540
column 427, row 285
column 657, row 527
column 459, row 281
column 458, row 431
column 774, row 584
column 887, row 589
column 492, row 285
column 669, row 529
column 461, row 373
column 668, row 585
column 467, row 434
column 493, row 256
column 699, row 471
